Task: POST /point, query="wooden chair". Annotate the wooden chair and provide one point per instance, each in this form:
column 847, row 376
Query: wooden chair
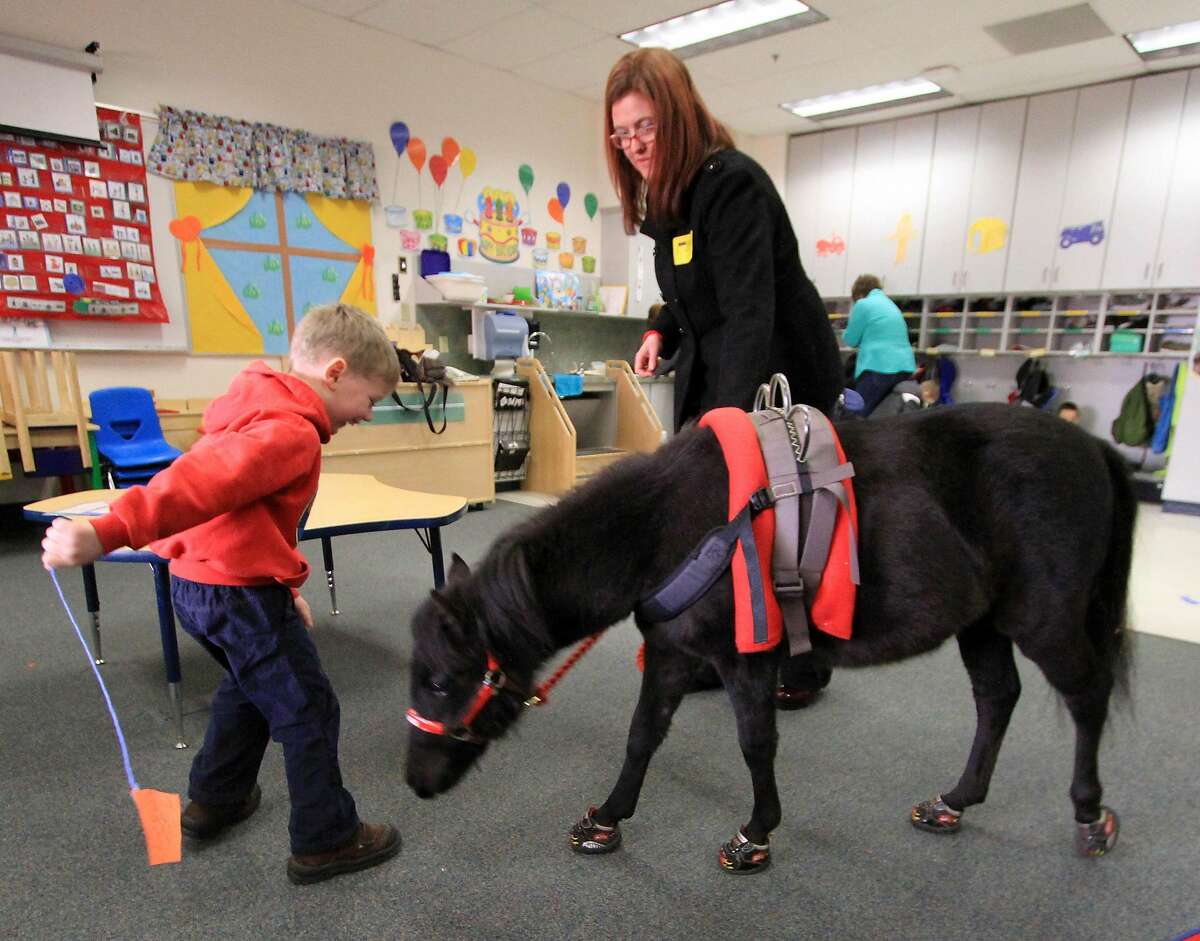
column 40, row 389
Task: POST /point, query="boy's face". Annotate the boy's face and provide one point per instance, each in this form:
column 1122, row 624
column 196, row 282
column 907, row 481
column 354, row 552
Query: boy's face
column 348, row 396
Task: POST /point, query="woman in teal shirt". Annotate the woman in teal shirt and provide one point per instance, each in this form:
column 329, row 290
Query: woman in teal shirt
column 876, row 328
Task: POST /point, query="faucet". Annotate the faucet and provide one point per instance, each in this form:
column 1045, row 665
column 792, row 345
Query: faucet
column 535, row 339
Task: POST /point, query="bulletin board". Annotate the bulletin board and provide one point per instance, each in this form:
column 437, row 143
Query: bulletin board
column 75, row 240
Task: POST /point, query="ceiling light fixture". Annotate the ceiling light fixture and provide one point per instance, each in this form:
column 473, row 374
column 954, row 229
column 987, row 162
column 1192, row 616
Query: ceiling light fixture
column 1166, row 43
column 724, row 24
column 865, row 99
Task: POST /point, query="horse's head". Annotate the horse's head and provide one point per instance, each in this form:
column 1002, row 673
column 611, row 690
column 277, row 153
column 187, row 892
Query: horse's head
column 462, row 696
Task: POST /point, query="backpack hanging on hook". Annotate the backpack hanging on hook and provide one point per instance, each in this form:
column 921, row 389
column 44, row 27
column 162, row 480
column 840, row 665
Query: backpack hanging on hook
column 422, row 371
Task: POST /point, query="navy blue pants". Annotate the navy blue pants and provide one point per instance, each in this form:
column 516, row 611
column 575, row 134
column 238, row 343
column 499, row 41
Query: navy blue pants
column 874, row 386
column 273, row 687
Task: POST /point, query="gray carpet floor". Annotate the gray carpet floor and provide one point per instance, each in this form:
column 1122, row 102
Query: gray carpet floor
column 490, row 859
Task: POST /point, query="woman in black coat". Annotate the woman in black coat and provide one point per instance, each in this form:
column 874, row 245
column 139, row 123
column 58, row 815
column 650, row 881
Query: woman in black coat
column 739, row 306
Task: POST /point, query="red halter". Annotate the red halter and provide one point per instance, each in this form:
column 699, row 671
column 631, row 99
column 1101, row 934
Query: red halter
column 495, row 680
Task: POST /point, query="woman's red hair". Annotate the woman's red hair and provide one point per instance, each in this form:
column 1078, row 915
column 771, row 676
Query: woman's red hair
column 687, row 135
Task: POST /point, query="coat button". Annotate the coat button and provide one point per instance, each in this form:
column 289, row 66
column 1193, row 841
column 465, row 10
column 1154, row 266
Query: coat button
column 713, row 165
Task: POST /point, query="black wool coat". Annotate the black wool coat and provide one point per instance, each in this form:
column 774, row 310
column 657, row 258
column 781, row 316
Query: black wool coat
column 739, row 306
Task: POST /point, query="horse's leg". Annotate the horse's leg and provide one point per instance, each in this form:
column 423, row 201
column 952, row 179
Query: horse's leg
column 1085, row 682
column 751, row 685
column 988, row 657
column 666, row 677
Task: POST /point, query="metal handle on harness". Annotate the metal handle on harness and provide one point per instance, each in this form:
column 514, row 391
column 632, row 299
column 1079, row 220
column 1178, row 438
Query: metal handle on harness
column 767, row 394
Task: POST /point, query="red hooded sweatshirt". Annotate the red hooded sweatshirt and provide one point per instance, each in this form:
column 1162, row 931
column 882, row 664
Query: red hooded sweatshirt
column 226, row 512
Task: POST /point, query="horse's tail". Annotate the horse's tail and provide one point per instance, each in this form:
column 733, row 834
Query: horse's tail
column 1108, row 609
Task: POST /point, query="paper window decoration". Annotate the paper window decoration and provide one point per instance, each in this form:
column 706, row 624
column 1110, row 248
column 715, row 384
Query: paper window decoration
column 254, row 262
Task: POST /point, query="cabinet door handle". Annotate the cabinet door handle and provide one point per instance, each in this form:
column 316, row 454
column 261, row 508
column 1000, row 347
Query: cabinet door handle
column 964, row 279
column 1158, row 273
column 1045, row 273
column 1146, row 272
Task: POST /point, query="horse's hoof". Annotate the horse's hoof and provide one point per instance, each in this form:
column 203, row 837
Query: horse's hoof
column 742, row 857
column 591, row 839
column 935, row 816
column 1097, row 838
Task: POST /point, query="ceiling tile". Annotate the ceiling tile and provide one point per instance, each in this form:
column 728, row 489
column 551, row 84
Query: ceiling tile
column 524, row 37
column 583, row 68
column 619, row 16
column 796, row 49
column 340, row 7
column 437, row 23
column 1052, row 68
column 1125, row 17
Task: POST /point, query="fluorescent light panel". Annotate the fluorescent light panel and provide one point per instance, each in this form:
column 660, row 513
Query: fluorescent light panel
column 865, row 99
column 1167, row 42
column 724, row 24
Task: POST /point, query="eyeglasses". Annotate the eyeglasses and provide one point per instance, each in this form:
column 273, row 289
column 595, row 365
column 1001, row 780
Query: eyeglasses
column 644, row 130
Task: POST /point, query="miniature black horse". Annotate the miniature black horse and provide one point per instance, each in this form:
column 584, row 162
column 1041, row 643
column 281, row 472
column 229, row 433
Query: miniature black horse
column 993, row 524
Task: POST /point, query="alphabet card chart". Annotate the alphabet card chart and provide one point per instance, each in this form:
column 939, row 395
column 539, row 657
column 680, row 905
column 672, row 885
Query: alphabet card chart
column 75, row 228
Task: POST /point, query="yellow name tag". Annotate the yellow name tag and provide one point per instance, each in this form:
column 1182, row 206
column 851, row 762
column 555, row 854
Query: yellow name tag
column 681, row 245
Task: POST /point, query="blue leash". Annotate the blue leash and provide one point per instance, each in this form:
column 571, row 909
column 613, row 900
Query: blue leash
column 133, row 785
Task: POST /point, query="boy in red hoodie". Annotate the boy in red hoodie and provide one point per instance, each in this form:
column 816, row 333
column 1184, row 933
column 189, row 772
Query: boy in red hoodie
column 226, row 515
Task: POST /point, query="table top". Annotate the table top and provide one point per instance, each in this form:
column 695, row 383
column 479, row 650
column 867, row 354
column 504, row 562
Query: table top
column 360, row 503
column 345, row 503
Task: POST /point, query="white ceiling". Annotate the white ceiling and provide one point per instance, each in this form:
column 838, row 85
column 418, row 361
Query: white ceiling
column 571, row 45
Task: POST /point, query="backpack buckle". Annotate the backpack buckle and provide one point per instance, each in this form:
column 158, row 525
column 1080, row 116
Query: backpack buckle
column 761, row 499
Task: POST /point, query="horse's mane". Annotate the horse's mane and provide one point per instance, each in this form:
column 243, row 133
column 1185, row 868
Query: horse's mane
column 514, row 589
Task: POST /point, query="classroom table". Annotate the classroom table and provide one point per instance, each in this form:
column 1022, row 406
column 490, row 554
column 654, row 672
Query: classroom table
column 345, row 504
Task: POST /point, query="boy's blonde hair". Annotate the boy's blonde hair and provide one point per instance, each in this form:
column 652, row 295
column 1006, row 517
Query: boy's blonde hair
column 345, row 331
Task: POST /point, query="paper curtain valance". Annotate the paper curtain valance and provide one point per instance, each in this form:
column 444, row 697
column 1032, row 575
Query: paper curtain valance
column 205, row 148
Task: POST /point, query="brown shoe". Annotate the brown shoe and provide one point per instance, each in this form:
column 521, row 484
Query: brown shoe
column 372, row 844
column 204, row 821
column 788, row 697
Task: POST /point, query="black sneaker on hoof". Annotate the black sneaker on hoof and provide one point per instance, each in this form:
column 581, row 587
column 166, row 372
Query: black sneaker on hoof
column 742, row 857
column 790, row 697
column 373, row 843
column 592, row 839
column 204, row 821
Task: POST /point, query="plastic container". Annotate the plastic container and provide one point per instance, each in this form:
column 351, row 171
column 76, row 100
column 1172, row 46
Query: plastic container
column 1125, row 341
column 434, row 262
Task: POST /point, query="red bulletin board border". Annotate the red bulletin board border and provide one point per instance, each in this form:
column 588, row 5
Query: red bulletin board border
column 43, row 184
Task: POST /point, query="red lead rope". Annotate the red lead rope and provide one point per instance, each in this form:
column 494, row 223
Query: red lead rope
column 539, row 697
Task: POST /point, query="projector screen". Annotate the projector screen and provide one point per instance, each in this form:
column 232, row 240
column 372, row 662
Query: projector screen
column 47, row 100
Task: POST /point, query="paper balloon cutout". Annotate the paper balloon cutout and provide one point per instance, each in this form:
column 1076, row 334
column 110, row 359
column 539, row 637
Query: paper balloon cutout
column 525, row 174
column 564, row 194
column 450, row 150
column 556, row 211
column 437, row 169
column 416, row 153
column 399, row 133
column 466, row 162
column 591, row 204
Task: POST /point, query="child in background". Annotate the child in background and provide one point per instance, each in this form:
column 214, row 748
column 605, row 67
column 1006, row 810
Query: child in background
column 225, row 514
column 1069, row 411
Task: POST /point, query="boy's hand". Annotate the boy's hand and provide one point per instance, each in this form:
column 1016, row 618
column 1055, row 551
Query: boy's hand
column 70, row 542
column 304, row 611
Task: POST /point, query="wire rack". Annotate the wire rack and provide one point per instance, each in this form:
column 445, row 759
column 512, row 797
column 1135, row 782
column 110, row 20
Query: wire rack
column 510, row 427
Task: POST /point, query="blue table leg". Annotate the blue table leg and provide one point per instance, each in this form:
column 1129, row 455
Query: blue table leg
column 327, row 553
column 435, row 550
column 170, row 647
column 92, row 594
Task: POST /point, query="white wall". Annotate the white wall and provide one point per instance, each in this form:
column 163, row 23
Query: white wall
column 282, row 63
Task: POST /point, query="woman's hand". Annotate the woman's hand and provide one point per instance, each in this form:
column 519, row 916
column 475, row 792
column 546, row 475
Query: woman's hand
column 303, row 609
column 646, row 360
column 70, row 542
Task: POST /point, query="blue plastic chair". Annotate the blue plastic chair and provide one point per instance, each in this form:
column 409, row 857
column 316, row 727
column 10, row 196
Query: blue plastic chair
column 129, row 436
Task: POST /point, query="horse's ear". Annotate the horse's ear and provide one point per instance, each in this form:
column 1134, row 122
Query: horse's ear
column 458, row 568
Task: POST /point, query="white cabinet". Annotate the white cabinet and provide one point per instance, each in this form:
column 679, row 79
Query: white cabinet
column 1040, row 188
column 1179, row 248
column 909, row 191
column 870, row 208
column 887, row 216
column 993, row 191
column 975, row 160
column 1086, row 216
column 1145, row 178
column 820, row 181
column 949, row 199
